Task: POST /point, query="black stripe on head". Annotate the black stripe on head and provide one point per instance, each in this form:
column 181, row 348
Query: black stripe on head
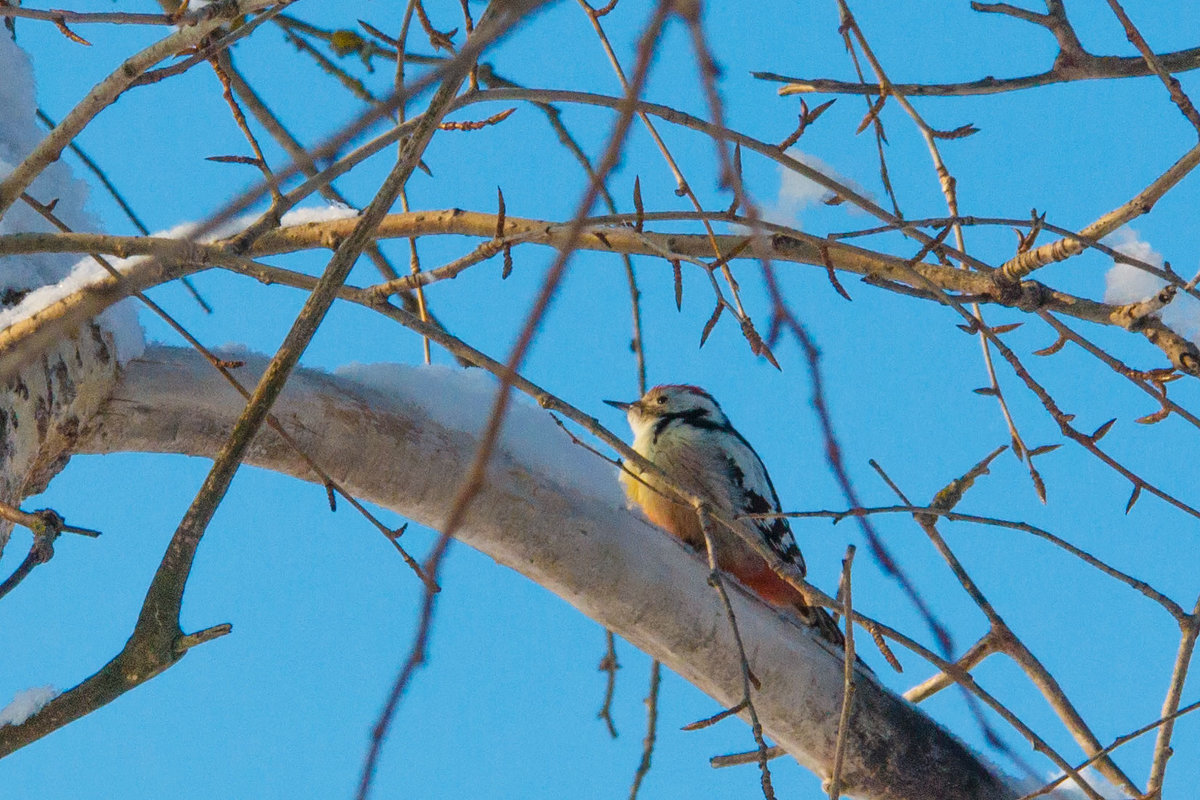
column 696, row 417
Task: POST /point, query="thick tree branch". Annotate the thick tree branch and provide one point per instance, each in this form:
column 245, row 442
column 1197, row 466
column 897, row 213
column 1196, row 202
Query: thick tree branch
column 575, row 541
column 174, row 259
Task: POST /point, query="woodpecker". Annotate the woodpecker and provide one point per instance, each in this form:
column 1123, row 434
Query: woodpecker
column 683, row 431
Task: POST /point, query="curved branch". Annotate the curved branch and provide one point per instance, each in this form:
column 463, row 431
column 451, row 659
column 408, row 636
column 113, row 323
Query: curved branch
column 1072, row 63
column 567, row 533
column 175, row 258
column 1084, row 67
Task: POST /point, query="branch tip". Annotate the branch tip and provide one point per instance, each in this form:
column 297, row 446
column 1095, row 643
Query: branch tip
column 189, row 640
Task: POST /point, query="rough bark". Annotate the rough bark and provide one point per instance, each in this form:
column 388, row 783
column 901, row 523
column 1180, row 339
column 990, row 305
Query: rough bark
column 43, row 407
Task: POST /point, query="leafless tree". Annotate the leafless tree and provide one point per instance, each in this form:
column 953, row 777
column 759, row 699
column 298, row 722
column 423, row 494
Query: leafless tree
column 68, row 391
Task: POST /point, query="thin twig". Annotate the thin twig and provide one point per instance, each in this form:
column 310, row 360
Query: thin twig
column 46, row 526
column 683, row 188
column 416, row 658
column 949, row 190
column 1155, row 63
column 1005, row 639
column 105, row 18
column 1146, row 589
column 1118, row 742
column 220, row 66
column 1190, row 631
column 751, row 757
column 414, row 257
column 651, row 729
column 784, row 319
column 609, row 666
column 718, row 583
column 839, row 751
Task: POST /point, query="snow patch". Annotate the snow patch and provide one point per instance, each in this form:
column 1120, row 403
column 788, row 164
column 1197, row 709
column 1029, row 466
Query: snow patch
column 300, row 216
column 1125, row 283
column 461, row 399
column 121, row 319
column 1069, row 789
column 20, row 133
column 26, row 703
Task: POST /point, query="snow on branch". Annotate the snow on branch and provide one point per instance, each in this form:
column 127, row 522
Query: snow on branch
column 559, row 520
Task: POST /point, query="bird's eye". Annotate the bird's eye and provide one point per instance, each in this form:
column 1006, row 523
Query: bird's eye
column 662, row 399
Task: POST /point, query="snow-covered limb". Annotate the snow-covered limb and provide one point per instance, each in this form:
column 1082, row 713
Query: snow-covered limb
column 25, row 704
column 1128, row 287
column 43, row 408
column 383, row 433
column 174, row 258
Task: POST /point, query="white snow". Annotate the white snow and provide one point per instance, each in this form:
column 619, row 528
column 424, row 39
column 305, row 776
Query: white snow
column 26, row 703
column 461, row 399
column 121, row 319
column 1069, row 789
column 19, row 135
column 296, row 216
column 299, row 216
column 1124, row 283
column 54, row 276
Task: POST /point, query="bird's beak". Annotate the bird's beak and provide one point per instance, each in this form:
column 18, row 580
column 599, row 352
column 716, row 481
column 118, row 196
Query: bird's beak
column 619, row 404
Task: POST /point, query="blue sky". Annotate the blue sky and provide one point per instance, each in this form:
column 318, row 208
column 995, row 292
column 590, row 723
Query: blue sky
column 322, row 609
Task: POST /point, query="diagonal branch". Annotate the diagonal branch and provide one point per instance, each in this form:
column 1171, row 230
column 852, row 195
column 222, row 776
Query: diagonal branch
column 157, row 641
column 108, row 90
column 654, row 591
column 1072, row 63
column 1178, row 96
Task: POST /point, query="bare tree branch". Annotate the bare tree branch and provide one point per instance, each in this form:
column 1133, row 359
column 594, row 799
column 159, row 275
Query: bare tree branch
column 1073, row 63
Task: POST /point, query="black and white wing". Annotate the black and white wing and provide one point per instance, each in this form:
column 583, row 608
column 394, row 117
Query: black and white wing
column 756, row 495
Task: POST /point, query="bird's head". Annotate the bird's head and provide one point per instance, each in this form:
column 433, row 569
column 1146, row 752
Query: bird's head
column 672, row 401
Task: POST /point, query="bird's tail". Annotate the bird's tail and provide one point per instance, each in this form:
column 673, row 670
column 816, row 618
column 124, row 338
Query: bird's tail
column 818, row 618
column 781, row 594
